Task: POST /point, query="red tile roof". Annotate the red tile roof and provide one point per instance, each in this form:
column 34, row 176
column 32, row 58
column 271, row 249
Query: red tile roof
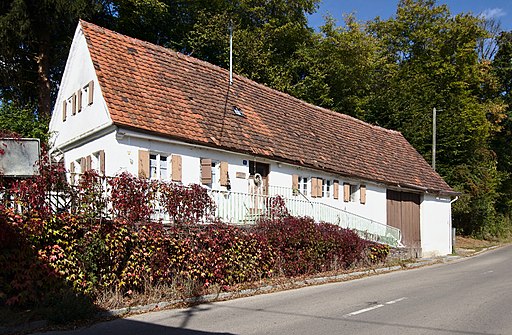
column 157, row 90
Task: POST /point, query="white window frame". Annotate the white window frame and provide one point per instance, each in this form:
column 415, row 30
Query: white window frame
column 303, row 185
column 327, row 185
column 215, row 185
column 354, row 192
column 155, row 166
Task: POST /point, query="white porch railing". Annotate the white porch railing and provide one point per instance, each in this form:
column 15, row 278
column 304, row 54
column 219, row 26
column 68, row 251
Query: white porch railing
column 243, row 208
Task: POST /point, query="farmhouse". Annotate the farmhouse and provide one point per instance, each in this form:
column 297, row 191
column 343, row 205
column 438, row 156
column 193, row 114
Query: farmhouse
column 128, row 105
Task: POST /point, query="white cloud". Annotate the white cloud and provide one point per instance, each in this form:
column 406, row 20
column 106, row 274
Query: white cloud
column 492, row 13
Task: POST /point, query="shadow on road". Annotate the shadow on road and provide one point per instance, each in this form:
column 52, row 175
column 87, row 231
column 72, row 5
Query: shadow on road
column 133, row 327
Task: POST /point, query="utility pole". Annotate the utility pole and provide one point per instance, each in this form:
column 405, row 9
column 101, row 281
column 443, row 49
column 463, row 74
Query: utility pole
column 230, row 53
column 434, row 138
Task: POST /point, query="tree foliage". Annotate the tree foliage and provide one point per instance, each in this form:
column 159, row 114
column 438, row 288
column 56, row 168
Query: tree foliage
column 35, row 38
column 432, row 62
column 23, row 122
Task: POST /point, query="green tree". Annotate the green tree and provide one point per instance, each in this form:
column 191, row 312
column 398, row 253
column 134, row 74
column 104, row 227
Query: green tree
column 35, row 38
column 266, row 37
column 502, row 142
column 23, row 122
column 433, row 62
column 337, row 69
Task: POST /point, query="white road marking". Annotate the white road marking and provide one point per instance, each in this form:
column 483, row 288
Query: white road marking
column 364, row 310
column 395, row 301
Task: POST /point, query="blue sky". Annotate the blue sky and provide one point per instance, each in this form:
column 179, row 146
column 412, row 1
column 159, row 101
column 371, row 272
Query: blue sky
column 365, row 10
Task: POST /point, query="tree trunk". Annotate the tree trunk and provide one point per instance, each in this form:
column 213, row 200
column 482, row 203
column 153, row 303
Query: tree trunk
column 43, row 80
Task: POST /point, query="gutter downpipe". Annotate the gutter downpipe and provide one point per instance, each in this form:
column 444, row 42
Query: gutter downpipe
column 453, row 236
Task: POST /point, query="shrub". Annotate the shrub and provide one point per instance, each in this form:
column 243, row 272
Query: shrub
column 212, row 254
column 89, row 199
column 376, row 253
column 47, row 256
column 305, row 247
column 132, row 197
column 186, row 205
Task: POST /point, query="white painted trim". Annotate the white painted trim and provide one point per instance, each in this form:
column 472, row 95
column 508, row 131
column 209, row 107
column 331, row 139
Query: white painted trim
column 90, row 135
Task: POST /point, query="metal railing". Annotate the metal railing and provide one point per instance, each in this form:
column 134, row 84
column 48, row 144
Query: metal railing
column 244, row 208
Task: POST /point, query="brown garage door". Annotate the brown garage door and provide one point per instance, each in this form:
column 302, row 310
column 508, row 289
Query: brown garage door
column 403, row 212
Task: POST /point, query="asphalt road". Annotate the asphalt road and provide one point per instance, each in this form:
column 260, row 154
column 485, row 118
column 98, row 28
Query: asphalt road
column 471, row 296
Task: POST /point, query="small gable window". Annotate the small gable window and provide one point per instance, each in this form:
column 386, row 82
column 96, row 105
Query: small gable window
column 87, row 94
column 90, row 92
column 64, row 110
column 75, row 103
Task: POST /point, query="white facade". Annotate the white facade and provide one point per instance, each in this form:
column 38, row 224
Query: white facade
column 122, row 148
column 436, row 226
column 88, row 131
column 93, row 116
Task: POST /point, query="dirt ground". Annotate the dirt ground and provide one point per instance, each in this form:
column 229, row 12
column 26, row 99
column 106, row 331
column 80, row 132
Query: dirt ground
column 468, row 245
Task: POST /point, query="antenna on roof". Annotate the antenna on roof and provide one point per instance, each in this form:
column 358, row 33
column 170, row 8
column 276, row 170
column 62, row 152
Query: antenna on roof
column 230, row 53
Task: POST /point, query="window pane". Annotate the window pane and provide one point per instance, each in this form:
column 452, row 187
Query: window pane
column 163, row 167
column 353, row 192
column 152, row 166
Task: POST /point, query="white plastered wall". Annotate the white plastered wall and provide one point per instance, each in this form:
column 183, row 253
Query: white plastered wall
column 436, row 226
column 374, row 208
column 122, row 154
column 78, row 73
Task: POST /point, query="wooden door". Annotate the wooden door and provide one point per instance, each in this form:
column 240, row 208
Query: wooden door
column 259, row 193
column 263, row 170
column 403, row 212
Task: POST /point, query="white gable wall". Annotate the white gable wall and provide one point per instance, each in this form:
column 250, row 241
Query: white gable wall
column 435, row 227
column 78, row 73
